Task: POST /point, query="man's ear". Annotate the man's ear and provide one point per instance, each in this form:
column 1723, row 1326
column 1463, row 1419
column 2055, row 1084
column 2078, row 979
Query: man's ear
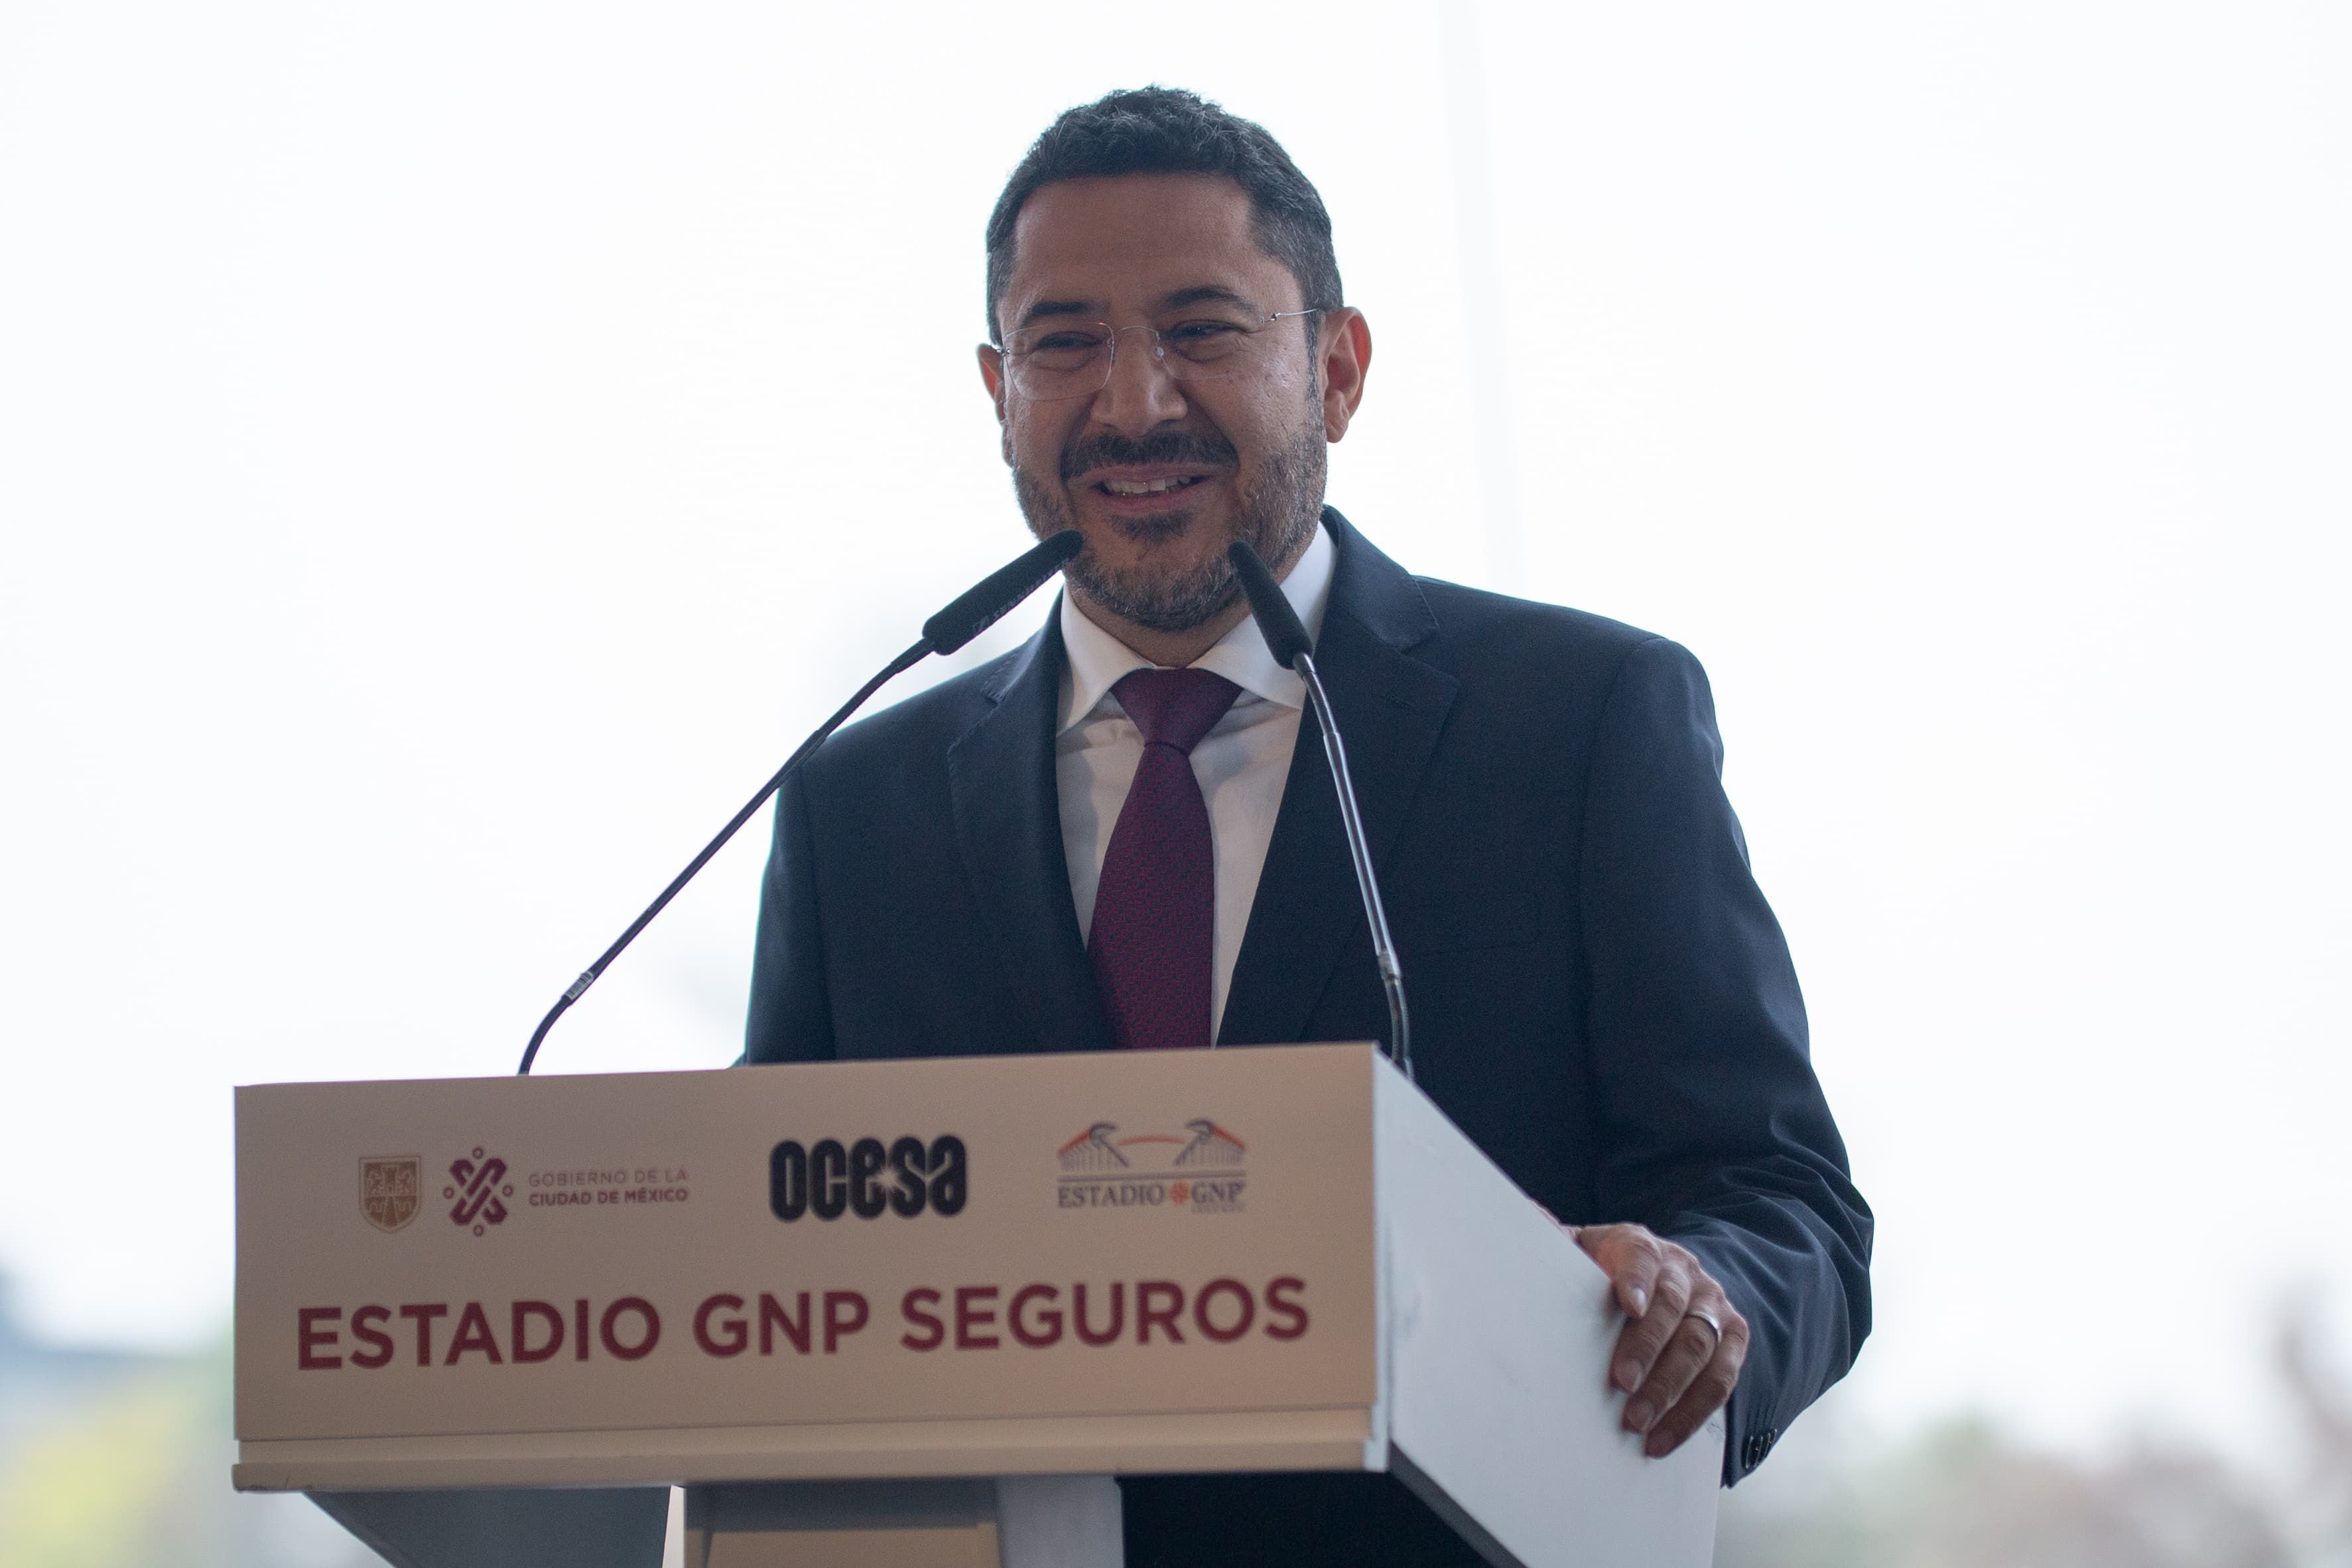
column 1345, row 347
column 991, row 373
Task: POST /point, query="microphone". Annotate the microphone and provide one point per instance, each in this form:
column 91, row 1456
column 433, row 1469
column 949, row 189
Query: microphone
column 988, row 601
column 1292, row 648
column 971, row 612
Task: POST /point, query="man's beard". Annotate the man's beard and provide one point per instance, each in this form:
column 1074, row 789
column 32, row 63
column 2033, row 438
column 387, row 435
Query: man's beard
column 1279, row 516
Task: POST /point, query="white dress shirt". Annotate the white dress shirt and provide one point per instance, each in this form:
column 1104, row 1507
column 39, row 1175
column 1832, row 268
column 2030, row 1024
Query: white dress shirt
column 1241, row 764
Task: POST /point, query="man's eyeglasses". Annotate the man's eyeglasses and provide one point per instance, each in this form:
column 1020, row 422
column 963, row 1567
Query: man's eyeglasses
column 1073, row 359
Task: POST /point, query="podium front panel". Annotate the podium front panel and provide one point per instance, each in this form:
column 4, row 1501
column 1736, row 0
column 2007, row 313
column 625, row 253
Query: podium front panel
column 1045, row 1263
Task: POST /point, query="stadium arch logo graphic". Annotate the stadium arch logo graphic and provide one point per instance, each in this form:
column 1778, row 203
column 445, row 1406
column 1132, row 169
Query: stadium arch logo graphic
column 1203, row 1168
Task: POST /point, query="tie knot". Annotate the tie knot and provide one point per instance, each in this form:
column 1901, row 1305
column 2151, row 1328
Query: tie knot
column 1175, row 707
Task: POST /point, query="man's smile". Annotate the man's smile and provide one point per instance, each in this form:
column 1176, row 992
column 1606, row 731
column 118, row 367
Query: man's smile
column 1146, row 487
column 1142, row 490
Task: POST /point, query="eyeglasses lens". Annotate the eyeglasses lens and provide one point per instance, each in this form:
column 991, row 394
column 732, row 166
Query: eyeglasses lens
column 1074, row 359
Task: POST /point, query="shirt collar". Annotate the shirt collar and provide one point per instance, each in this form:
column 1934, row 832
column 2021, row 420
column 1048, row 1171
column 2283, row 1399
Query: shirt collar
column 1098, row 660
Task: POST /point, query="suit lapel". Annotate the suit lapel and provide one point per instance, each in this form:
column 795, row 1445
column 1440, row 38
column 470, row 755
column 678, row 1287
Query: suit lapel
column 1391, row 710
column 1008, row 821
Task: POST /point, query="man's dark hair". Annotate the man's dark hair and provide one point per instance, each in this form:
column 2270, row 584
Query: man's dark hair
column 1166, row 131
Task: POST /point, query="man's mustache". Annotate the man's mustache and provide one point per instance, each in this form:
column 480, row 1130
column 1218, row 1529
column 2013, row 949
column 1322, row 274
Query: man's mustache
column 1159, row 447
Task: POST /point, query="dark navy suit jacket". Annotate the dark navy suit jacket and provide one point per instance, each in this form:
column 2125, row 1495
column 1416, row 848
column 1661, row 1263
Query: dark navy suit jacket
column 1600, row 997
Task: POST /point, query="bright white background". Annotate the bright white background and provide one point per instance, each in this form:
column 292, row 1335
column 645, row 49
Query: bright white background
column 449, row 453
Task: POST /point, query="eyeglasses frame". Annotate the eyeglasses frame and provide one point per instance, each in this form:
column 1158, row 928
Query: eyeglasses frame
column 1159, row 352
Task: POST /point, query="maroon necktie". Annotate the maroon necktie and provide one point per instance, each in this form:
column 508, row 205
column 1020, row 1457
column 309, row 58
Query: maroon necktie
column 1154, row 908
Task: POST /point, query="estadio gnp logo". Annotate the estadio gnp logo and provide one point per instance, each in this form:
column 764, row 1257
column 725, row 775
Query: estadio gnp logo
column 1201, row 1170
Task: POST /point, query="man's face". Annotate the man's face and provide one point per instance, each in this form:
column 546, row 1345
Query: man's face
column 1160, row 475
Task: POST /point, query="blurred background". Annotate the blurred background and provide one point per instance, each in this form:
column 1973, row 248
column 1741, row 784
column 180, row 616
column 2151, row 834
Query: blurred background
column 448, row 454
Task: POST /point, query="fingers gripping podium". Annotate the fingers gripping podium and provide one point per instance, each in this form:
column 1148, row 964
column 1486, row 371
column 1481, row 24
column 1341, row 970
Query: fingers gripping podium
column 917, row 1312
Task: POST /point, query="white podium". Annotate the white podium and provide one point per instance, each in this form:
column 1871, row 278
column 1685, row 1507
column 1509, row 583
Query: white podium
column 916, row 1312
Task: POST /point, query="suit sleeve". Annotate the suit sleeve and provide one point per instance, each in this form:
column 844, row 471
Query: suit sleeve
column 1716, row 1130
column 790, row 1015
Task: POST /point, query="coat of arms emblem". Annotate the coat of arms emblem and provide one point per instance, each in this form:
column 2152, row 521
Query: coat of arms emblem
column 392, row 1189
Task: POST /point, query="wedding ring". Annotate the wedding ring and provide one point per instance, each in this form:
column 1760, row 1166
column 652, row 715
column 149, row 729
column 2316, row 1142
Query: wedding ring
column 1703, row 1316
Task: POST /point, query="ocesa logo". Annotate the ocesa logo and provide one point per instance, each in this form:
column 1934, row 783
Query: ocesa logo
column 865, row 1178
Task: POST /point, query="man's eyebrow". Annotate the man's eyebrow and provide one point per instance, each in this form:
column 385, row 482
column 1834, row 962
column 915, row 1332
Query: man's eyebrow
column 1207, row 294
column 1044, row 307
column 1200, row 294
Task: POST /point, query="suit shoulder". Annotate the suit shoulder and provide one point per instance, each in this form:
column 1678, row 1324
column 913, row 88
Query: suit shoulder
column 924, row 723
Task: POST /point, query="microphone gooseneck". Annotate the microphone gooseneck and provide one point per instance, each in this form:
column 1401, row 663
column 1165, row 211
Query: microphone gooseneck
column 1287, row 640
column 971, row 612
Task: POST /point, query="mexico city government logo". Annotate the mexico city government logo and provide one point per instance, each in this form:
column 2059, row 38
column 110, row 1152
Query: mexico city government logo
column 478, row 1185
column 392, row 1189
column 1203, row 1168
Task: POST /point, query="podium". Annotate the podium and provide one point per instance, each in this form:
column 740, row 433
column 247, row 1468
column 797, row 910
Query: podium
column 919, row 1312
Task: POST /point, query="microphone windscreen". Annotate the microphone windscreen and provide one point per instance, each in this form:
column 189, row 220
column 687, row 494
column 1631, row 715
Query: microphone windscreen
column 1286, row 638
column 980, row 606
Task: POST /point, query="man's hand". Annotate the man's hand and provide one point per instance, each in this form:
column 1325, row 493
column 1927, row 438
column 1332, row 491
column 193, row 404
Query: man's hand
column 1683, row 1344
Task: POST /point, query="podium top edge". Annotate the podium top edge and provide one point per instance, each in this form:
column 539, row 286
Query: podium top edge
column 991, row 1060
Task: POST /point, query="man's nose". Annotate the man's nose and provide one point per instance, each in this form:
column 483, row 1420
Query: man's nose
column 1140, row 396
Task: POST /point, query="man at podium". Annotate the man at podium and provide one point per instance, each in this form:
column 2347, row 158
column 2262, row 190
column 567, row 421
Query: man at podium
column 1113, row 839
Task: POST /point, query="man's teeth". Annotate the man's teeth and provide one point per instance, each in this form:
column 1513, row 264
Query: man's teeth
column 1146, row 487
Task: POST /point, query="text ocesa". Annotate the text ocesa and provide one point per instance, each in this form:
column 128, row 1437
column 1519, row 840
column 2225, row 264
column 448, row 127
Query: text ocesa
column 830, row 1179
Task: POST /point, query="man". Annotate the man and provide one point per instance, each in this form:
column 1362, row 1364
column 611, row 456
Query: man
column 1116, row 838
